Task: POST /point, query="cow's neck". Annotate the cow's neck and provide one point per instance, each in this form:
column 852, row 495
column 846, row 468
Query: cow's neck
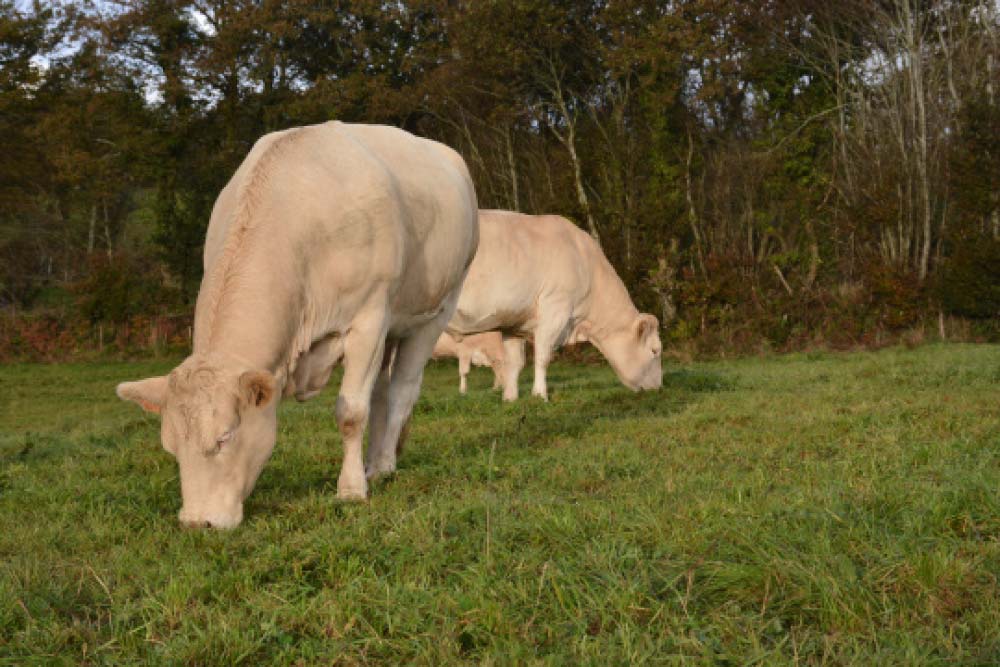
column 254, row 319
column 610, row 307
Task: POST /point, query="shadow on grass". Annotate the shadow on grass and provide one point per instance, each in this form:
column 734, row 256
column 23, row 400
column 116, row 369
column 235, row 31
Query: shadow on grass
column 680, row 388
column 521, row 429
column 575, row 408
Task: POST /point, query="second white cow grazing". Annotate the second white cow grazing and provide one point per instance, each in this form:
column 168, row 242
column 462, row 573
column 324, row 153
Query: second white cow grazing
column 330, row 241
column 544, row 278
column 485, row 349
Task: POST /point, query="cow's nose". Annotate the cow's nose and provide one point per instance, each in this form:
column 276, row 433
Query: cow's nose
column 210, row 519
column 652, row 385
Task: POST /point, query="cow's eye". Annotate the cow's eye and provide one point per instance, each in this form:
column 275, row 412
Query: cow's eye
column 224, row 438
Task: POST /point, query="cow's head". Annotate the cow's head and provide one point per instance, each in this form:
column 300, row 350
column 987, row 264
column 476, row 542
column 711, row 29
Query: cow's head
column 219, row 421
column 634, row 352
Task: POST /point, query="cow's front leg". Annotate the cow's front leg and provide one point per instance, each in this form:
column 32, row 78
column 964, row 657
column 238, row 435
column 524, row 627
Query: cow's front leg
column 363, row 350
column 549, row 335
column 513, row 362
column 378, row 416
column 412, row 354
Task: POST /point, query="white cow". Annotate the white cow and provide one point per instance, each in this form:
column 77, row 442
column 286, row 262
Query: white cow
column 330, row 240
column 544, row 278
column 485, row 349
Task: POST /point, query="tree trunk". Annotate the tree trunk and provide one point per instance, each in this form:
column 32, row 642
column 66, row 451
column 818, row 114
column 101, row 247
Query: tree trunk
column 917, row 74
column 692, row 214
column 995, row 215
column 107, row 227
column 512, row 165
column 91, row 229
column 581, row 193
column 568, row 140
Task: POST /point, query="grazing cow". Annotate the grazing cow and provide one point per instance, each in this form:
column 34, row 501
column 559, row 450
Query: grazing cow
column 485, row 349
column 330, row 241
column 542, row 277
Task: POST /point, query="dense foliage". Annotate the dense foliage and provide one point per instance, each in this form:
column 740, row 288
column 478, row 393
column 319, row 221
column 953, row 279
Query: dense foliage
column 768, row 174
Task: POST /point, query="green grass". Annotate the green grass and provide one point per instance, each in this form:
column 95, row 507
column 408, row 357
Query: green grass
column 813, row 509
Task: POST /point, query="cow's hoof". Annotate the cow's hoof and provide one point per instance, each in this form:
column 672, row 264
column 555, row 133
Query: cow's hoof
column 352, row 492
column 379, row 472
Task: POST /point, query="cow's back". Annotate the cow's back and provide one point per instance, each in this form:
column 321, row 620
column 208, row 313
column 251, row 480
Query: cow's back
column 522, row 258
column 434, row 185
column 336, row 209
column 321, row 221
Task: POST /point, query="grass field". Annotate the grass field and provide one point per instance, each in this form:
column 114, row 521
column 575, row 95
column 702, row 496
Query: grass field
column 808, row 509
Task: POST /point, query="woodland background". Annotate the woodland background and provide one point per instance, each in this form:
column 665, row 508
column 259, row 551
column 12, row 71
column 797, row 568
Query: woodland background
column 766, row 175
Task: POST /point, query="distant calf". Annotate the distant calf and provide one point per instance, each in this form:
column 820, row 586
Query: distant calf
column 485, row 349
column 541, row 277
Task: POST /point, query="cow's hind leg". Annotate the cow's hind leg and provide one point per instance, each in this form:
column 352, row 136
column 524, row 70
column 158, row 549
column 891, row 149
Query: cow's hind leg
column 412, row 354
column 513, row 362
column 363, row 350
column 379, row 413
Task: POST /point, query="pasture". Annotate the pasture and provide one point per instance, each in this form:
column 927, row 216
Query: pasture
column 820, row 509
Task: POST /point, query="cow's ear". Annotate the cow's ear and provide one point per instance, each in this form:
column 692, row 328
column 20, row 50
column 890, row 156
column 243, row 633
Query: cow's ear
column 149, row 394
column 257, row 388
column 645, row 325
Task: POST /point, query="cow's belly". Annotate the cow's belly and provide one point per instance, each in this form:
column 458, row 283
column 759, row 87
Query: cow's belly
column 477, row 320
column 404, row 323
